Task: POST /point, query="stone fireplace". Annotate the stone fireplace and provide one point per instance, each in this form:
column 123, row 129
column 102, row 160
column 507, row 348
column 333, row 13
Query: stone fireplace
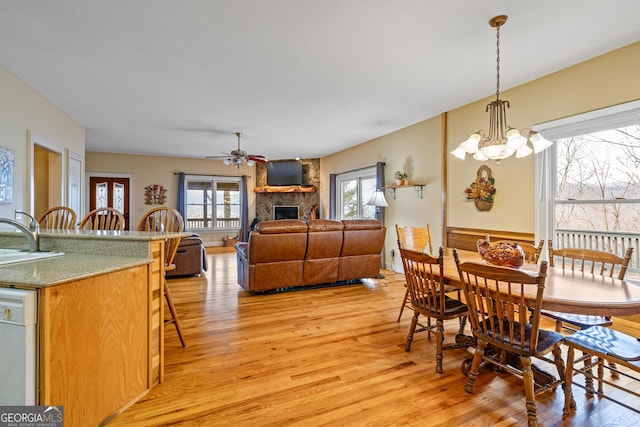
column 303, row 197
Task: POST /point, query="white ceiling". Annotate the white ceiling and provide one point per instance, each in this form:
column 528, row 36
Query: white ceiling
column 299, row 78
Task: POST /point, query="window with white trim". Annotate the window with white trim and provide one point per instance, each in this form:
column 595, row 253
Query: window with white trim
column 353, row 191
column 212, row 203
column 588, row 185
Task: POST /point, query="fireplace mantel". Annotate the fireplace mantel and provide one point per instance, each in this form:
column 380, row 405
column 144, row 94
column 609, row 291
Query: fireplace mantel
column 285, row 189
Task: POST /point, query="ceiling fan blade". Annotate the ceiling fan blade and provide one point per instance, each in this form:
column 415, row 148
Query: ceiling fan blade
column 257, row 158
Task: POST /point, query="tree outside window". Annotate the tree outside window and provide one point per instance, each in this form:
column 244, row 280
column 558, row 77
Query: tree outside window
column 355, row 190
column 598, row 181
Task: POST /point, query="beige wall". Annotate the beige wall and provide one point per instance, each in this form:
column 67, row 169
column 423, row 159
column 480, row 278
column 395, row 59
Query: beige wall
column 149, row 170
column 416, row 150
column 22, row 109
column 604, row 81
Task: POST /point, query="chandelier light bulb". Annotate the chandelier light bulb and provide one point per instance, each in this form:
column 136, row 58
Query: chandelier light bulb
column 539, row 142
column 523, row 151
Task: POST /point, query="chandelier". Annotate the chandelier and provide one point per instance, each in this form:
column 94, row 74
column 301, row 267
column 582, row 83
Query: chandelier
column 502, row 141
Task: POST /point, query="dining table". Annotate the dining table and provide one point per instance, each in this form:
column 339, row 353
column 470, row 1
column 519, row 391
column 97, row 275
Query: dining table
column 565, row 290
column 569, row 291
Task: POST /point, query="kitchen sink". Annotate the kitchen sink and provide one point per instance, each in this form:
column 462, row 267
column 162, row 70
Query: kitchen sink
column 14, row 256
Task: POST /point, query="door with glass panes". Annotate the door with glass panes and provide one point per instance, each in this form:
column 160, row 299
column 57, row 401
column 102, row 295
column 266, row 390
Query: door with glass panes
column 110, row 192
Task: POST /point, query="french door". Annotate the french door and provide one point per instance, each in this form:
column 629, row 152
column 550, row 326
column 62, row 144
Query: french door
column 110, row 192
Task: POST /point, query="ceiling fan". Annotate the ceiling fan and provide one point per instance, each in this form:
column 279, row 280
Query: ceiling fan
column 237, row 157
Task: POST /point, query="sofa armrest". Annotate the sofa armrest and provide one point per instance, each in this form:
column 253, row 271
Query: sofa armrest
column 242, row 250
column 242, row 260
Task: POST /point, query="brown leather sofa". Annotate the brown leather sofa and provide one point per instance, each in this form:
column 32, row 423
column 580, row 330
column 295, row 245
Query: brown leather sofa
column 290, row 253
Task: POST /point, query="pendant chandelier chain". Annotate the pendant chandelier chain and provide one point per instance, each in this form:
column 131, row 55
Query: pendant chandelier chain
column 502, row 140
column 497, row 63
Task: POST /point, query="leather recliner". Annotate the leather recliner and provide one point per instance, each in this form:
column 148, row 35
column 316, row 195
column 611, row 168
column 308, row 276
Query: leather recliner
column 190, row 258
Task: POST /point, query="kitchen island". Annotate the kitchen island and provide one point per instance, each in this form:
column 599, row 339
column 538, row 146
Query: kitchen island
column 100, row 318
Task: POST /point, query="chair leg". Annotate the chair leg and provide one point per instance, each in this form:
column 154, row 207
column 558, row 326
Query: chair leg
column 568, row 378
column 439, row 342
column 475, row 366
column 174, row 316
column 600, row 375
column 529, row 392
column 404, row 304
column 614, row 374
column 588, row 379
column 562, row 370
column 412, row 329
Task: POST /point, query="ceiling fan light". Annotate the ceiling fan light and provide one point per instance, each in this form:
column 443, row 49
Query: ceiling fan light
column 250, row 163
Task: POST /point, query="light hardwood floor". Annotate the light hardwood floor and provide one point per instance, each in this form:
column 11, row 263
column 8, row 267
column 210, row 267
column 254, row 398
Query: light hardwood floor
column 327, row 357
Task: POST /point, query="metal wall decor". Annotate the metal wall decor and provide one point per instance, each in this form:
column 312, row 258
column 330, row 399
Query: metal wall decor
column 154, row 195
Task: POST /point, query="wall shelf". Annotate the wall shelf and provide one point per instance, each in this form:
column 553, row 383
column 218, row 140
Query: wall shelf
column 418, row 187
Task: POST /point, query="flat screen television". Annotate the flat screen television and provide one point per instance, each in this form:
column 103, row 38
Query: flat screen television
column 287, row 172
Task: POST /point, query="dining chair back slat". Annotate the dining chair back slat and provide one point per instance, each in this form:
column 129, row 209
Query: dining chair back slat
column 165, row 219
column 415, row 239
column 103, row 219
column 504, row 311
column 590, row 261
column 58, row 218
column 428, row 298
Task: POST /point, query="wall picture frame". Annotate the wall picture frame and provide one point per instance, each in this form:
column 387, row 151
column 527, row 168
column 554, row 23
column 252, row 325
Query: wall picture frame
column 7, row 158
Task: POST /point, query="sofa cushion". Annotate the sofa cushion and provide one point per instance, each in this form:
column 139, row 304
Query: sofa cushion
column 281, row 226
column 323, row 251
column 361, row 249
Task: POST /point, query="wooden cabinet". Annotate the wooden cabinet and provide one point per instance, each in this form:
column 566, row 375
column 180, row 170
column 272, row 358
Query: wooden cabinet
column 94, row 344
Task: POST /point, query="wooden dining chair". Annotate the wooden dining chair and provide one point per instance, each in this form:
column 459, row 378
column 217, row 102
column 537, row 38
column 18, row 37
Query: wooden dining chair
column 604, row 344
column 589, row 261
column 531, row 252
column 58, row 218
column 103, row 219
column 499, row 299
column 428, row 298
column 165, row 219
column 593, row 262
column 415, row 239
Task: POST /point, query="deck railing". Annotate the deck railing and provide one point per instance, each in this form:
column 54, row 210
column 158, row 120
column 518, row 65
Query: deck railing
column 222, row 223
column 609, row 241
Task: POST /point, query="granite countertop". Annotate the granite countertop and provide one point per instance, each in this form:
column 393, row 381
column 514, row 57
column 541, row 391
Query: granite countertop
column 66, row 268
column 110, row 234
column 86, row 254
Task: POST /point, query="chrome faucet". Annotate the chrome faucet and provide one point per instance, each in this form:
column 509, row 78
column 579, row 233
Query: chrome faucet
column 32, row 232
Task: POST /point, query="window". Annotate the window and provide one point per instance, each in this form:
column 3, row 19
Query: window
column 354, row 189
column 592, row 199
column 213, row 203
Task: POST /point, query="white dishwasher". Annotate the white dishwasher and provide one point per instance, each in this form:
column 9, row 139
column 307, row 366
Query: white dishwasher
column 18, row 357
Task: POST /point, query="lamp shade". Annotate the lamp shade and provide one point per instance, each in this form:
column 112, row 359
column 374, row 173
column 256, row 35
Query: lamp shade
column 377, row 199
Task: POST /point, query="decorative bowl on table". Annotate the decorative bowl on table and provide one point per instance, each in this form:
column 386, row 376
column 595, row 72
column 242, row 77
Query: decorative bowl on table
column 503, row 254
